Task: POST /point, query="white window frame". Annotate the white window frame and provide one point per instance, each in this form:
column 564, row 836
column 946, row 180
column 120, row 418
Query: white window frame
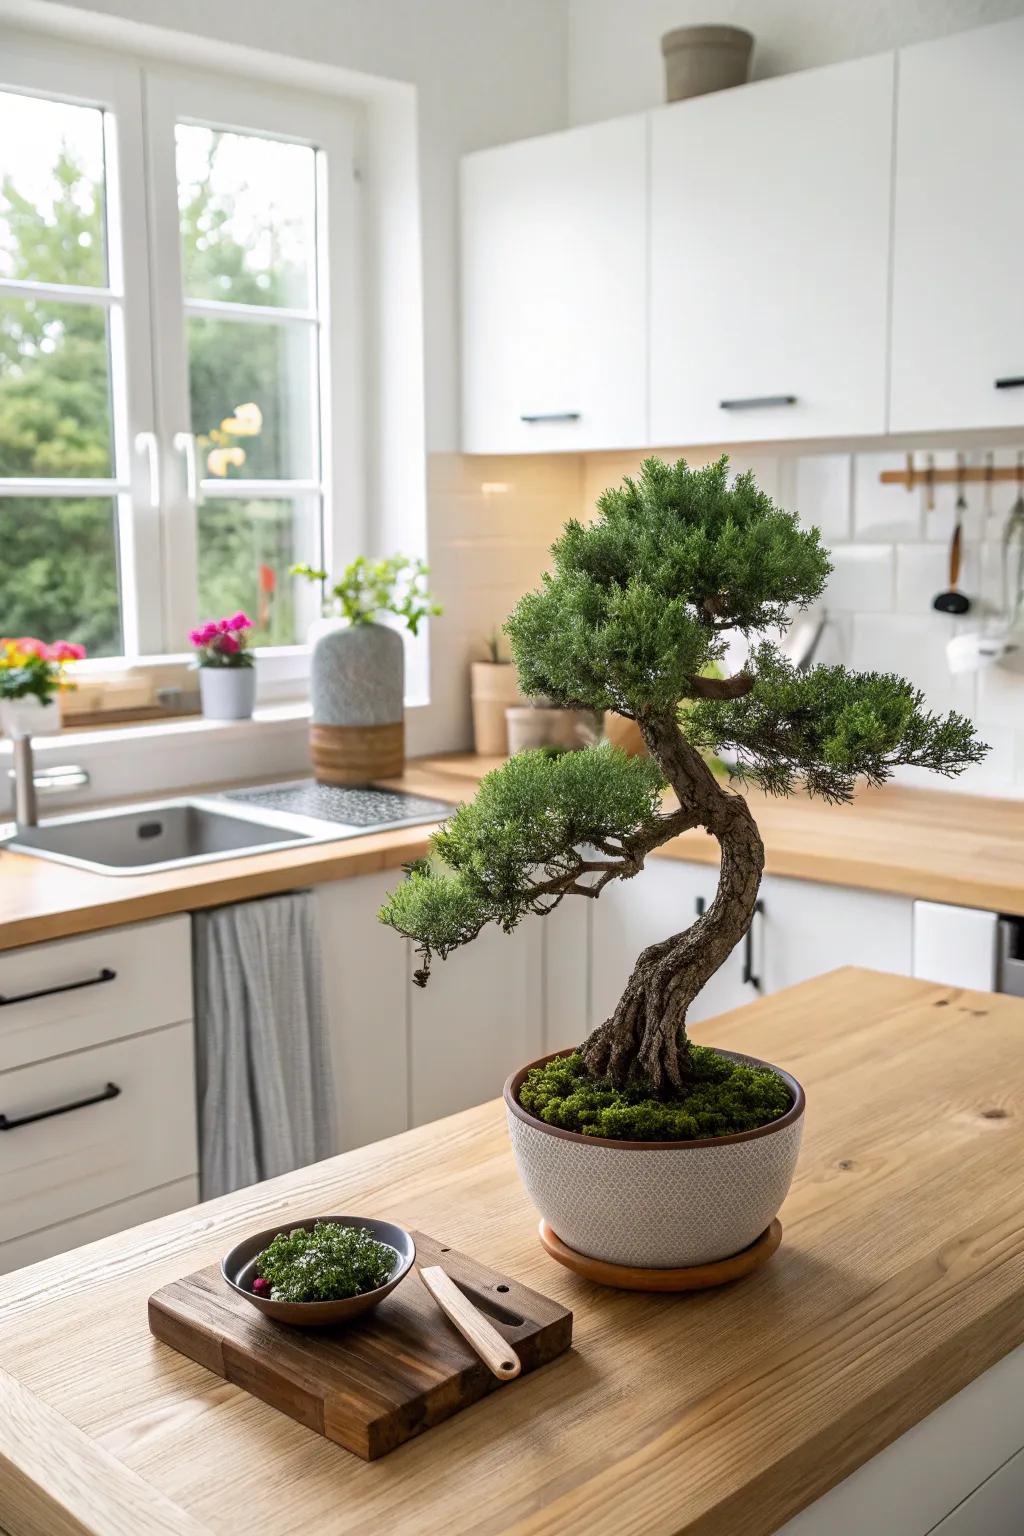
column 152, row 479
column 111, row 84
column 226, row 103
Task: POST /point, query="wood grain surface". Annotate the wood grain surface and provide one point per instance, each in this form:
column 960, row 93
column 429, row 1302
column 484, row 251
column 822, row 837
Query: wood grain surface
column 900, row 1279
column 375, row 1383
column 963, row 849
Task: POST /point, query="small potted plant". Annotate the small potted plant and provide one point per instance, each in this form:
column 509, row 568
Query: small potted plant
column 641, row 1148
column 33, row 675
column 494, row 688
column 227, row 667
column 357, row 681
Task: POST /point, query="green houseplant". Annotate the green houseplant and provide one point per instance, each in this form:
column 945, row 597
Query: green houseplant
column 635, row 618
column 358, row 667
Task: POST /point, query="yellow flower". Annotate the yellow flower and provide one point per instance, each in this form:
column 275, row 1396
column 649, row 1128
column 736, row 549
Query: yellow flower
column 247, row 421
column 220, row 460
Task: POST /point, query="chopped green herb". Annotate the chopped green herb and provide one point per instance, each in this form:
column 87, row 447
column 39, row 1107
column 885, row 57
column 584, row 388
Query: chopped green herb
column 328, row 1264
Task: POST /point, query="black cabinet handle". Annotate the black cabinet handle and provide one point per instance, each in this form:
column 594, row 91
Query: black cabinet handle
column 69, row 986
column 552, row 416
column 111, row 1091
column 1015, row 382
column 755, row 402
column 748, row 951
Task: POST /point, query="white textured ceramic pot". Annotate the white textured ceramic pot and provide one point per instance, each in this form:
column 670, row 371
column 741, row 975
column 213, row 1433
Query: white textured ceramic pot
column 657, row 1204
column 227, row 693
column 30, row 717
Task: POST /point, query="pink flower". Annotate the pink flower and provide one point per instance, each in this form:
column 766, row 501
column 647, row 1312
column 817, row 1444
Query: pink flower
column 240, row 620
column 228, row 645
column 65, row 650
column 223, row 626
column 30, row 646
column 196, row 636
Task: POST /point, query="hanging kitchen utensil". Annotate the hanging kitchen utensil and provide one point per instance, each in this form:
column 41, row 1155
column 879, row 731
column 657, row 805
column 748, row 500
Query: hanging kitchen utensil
column 955, row 601
column 1013, row 538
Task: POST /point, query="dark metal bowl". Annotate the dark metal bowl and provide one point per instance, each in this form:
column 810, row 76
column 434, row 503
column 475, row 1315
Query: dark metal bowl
column 239, row 1270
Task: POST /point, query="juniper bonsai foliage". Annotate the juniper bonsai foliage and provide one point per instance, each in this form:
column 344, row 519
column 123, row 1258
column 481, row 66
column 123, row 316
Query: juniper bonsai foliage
column 635, row 617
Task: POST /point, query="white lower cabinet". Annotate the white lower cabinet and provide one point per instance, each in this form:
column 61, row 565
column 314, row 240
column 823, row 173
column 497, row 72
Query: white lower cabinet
column 801, row 930
column 630, row 914
column 367, row 974
column 97, row 1086
column 480, row 1017
column 806, row 928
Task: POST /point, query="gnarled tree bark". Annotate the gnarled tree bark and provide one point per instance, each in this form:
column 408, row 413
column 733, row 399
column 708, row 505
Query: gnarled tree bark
column 648, row 1028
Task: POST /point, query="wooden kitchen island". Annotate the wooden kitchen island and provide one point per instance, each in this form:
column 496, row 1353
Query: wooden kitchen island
column 899, row 1281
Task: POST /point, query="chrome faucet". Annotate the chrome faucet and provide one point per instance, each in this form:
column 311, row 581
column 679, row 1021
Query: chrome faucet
column 27, row 782
column 25, row 808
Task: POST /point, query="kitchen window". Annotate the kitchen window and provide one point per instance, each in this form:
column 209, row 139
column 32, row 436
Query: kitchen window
column 179, row 352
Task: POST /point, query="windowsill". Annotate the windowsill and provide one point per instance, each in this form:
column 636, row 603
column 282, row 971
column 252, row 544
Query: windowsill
column 269, row 721
column 267, row 718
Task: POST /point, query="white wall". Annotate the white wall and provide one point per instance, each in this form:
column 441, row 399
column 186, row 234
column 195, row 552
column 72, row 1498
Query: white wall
column 485, row 72
column 615, row 63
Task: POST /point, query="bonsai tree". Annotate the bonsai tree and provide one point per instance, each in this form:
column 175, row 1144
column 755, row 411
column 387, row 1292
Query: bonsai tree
column 635, row 618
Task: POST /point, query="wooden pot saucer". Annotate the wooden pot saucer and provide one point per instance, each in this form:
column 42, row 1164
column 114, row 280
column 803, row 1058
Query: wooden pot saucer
column 695, row 1277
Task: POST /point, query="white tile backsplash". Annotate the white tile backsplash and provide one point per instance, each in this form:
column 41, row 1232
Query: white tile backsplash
column 880, row 511
column 861, row 580
column 914, row 646
column 821, row 493
column 492, row 521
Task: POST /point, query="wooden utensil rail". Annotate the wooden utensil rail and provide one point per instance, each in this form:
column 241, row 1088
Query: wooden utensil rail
column 981, row 474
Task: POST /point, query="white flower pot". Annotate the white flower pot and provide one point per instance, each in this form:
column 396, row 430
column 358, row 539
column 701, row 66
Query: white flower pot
column 28, row 717
column 227, row 693
column 657, row 1204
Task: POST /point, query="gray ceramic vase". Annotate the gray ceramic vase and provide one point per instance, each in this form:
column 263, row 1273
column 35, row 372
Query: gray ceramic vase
column 657, row 1204
column 358, row 676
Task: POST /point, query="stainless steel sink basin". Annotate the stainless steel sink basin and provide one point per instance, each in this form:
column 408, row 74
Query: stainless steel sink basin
column 153, row 837
column 172, row 834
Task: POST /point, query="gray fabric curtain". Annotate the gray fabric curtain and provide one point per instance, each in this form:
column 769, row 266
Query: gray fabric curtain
column 262, row 1049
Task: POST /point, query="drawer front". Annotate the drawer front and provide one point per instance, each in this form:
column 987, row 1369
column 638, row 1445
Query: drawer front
column 63, row 1165
column 80, row 992
column 35, row 1246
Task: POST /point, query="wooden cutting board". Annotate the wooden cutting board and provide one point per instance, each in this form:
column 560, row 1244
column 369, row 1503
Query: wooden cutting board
column 378, row 1381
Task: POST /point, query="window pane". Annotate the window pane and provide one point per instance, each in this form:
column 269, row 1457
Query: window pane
column 252, row 389
column 248, row 217
column 245, row 551
column 51, row 191
column 58, row 571
column 54, row 389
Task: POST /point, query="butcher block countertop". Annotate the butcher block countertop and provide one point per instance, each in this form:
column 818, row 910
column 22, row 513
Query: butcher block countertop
column 964, row 849
column 900, row 1279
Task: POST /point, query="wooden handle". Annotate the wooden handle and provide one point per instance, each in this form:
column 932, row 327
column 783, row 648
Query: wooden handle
column 496, row 1353
column 954, row 556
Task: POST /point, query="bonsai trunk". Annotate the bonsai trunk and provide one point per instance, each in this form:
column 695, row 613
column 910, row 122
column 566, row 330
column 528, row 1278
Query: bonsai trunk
column 648, row 1028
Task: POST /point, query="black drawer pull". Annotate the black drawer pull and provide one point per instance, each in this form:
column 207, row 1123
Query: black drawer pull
column 69, row 986
column 755, row 402
column 111, row 1091
column 749, row 978
column 1016, row 382
column 552, row 416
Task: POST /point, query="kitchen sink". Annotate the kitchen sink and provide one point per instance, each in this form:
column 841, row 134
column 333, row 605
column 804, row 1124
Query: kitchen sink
column 174, row 834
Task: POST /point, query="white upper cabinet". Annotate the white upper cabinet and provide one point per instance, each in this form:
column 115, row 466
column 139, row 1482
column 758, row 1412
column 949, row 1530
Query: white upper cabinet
column 958, row 309
column 770, row 222
column 554, row 287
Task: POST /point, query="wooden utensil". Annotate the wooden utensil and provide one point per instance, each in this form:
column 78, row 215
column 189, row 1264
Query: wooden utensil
column 493, row 1350
column 954, row 601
